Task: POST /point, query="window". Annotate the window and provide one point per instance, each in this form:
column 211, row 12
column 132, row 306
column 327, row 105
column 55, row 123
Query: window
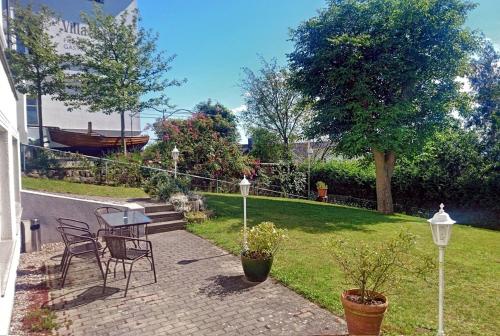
column 32, row 111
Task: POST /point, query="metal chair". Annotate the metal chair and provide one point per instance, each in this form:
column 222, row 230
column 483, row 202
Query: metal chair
column 73, row 223
column 121, row 252
column 77, row 242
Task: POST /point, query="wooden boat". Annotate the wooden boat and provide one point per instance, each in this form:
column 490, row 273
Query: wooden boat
column 92, row 143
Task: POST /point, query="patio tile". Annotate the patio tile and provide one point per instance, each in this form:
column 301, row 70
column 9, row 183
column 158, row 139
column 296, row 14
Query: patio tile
column 200, row 291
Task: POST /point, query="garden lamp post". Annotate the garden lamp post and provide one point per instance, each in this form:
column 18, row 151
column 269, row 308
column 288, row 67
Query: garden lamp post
column 441, row 231
column 310, row 152
column 245, row 189
column 175, row 157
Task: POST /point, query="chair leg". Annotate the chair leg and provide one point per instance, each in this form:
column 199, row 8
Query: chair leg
column 153, row 264
column 106, row 276
column 99, row 262
column 124, row 272
column 65, row 270
column 129, row 276
column 63, row 258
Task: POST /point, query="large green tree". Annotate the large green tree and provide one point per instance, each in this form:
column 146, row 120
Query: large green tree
column 272, row 104
column 35, row 64
column 382, row 75
column 120, row 69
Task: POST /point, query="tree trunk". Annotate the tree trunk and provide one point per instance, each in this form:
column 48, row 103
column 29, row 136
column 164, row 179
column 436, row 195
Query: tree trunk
column 384, row 167
column 40, row 120
column 124, row 142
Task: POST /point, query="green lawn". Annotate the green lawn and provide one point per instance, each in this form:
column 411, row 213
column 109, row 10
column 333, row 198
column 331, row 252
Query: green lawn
column 60, row 186
column 472, row 261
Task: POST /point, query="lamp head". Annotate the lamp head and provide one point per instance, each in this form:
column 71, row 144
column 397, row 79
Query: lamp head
column 175, row 154
column 441, row 227
column 244, row 187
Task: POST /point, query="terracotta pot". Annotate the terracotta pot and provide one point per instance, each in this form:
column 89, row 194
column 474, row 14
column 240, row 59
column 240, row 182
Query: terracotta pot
column 322, row 192
column 256, row 270
column 363, row 319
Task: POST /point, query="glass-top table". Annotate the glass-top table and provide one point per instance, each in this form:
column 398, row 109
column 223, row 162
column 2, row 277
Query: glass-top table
column 127, row 218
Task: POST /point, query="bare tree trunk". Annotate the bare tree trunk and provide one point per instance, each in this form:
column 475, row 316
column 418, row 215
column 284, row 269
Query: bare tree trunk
column 124, row 142
column 40, row 120
column 384, row 166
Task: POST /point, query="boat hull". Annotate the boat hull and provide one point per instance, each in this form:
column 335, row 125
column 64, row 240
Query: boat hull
column 93, row 144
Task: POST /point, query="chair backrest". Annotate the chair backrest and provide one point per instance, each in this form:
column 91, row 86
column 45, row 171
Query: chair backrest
column 68, row 222
column 71, row 234
column 104, row 210
column 117, row 246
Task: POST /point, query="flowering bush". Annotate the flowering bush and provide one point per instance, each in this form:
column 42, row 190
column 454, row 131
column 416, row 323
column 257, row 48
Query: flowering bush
column 203, row 150
column 264, row 240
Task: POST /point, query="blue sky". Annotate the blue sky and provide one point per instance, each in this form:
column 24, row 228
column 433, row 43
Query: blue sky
column 214, row 39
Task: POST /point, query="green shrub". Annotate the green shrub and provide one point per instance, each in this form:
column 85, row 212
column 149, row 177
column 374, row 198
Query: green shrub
column 195, row 217
column 161, row 186
column 375, row 267
column 264, row 240
column 321, row 185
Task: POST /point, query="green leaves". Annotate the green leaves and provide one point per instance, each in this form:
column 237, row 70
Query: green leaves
column 375, row 267
column 35, row 65
column 264, row 240
column 381, row 73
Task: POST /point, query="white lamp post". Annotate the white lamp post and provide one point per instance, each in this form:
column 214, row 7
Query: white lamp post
column 441, row 231
column 245, row 189
column 310, row 152
column 175, row 157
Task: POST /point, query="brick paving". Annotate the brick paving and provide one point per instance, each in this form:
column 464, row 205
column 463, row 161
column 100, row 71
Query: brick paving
column 200, row 291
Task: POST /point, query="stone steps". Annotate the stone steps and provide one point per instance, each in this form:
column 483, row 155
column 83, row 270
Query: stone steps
column 164, row 218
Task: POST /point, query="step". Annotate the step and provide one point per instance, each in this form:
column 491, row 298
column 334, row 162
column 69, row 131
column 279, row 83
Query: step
column 158, row 208
column 165, row 216
column 166, row 226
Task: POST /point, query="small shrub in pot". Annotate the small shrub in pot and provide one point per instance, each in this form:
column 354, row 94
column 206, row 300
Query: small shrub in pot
column 372, row 268
column 264, row 240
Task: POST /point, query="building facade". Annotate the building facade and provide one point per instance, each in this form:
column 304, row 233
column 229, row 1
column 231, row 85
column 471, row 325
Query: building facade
column 55, row 114
column 11, row 129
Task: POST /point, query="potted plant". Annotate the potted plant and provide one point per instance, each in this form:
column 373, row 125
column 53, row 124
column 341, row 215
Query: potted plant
column 263, row 241
column 322, row 189
column 373, row 268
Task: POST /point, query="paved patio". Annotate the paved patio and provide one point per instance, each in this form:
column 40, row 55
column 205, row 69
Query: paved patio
column 200, row 291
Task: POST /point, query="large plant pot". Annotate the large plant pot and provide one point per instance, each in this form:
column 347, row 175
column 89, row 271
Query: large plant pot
column 322, row 192
column 256, row 270
column 363, row 319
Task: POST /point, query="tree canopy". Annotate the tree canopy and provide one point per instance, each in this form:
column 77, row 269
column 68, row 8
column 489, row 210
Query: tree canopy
column 120, row 69
column 272, row 103
column 485, row 83
column 35, row 64
column 225, row 121
column 381, row 74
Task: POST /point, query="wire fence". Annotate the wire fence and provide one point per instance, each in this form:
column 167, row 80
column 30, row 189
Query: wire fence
column 39, row 161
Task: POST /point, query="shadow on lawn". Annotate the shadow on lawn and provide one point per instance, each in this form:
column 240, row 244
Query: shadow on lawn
column 293, row 215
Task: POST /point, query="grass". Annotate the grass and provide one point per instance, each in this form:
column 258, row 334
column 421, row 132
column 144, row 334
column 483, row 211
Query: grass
column 304, row 264
column 60, row 186
column 472, row 259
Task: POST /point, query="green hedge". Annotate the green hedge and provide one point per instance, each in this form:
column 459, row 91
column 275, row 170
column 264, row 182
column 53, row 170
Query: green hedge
column 451, row 168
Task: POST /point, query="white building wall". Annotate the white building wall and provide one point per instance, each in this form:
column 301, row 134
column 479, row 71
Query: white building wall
column 54, row 112
column 10, row 209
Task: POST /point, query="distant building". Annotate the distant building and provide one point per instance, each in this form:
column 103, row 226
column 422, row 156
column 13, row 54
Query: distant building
column 11, row 128
column 55, row 114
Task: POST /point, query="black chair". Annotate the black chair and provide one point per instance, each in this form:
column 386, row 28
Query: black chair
column 126, row 254
column 73, row 223
column 78, row 242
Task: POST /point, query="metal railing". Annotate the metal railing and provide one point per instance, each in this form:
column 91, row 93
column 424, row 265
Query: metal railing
column 74, row 161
